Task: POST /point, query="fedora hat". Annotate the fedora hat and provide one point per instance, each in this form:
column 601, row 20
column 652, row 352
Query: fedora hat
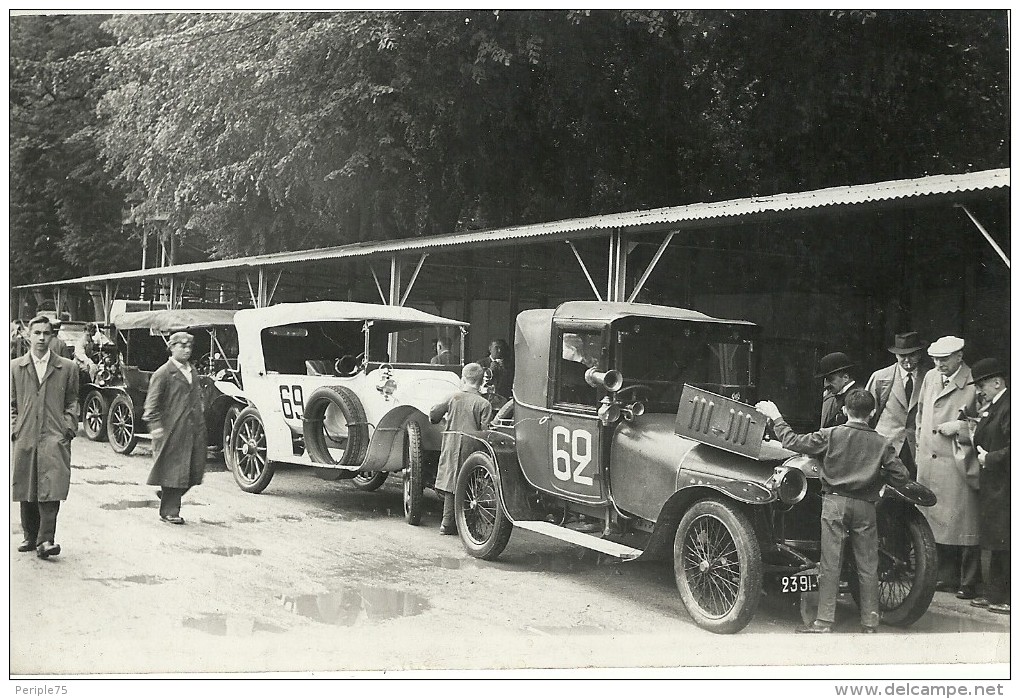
column 831, row 363
column 907, row 343
column 986, row 369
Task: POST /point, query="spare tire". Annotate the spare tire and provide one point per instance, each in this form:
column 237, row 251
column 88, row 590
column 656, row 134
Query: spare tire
column 318, row 443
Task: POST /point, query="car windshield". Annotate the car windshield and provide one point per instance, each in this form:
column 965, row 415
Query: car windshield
column 664, row 354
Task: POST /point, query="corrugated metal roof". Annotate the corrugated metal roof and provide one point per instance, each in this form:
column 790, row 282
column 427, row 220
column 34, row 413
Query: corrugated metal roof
column 631, row 222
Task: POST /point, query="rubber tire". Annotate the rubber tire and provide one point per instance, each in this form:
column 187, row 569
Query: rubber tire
column 357, row 425
column 229, row 418
column 413, row 475
column 101, row 409
column 748, row 553
column 257, row 432
column 922, row 539
column 478, row 472
column 369, row 480
column 122, row 439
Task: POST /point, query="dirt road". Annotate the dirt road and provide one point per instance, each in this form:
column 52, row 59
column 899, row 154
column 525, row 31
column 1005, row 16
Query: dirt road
column 315, row 575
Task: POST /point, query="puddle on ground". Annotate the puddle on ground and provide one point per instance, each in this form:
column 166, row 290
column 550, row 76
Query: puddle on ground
column 328, row 516
column 353, row 604
column 565, row 630
column 245, row 519
column 130, row 505
column 230, row 551
column 226, row 625
column 290, row 518
column 451, row 563
column 92, row 467
column 214, row 523
column 132, row 579
column 110, row 482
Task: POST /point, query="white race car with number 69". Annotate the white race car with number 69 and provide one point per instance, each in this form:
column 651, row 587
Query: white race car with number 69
column 340, row 386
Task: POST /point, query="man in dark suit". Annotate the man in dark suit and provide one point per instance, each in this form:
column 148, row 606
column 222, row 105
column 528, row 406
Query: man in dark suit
column 896, row 389
column 44, row 420
column 501, row 365
column 834, row 369
column 991, row 437
column 175, row 415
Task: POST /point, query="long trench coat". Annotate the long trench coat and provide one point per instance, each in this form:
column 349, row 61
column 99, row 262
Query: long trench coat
column 948, row 465
column 175, row 406
column 44, row 421
column 465, row 411
column 992, row 434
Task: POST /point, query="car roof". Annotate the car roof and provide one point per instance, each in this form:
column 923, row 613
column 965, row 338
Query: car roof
column 608, row 311
column 166, row 321
column 318, row 311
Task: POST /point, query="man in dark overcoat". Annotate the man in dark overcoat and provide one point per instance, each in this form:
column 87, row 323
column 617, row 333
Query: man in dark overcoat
column 991, row 437
column 44, row 420
column 175, row 415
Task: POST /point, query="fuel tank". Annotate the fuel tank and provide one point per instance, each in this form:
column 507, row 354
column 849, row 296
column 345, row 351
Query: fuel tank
column 649, row 462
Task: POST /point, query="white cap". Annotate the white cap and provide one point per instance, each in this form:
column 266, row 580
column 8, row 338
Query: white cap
column 945, row 346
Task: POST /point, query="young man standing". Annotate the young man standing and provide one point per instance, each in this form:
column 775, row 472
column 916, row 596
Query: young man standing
column 856, row 462
column 44, row 415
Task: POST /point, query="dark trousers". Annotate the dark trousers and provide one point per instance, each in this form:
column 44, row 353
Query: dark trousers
column 39, row 520
column 170, row 501
column 997, row 587
column 959, row 565
column 844, row 518
column 907, row 457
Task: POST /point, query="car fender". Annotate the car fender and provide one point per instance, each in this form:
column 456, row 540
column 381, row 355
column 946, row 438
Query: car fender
column 229, row 388
column 386, row 448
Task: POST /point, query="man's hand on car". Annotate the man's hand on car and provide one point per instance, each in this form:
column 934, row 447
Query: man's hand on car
column 768, row 409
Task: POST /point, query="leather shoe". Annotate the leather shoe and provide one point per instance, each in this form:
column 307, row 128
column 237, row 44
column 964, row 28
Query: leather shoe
column 945, row 587
column 159, row 494
column 869, row 629
column 26, row 545
column 445, row 528
column 999, row 608
column 979, row 602
column 47, row 549
column 172, row 519
column 816, row 627
column 966, row 592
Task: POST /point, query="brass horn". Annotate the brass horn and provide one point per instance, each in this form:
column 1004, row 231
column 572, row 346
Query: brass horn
column 610, row 380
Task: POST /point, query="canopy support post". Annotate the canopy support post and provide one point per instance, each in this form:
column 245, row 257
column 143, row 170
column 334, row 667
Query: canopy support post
column 414, row 278
column 988, row 237
column 651, row 266
column 584, row 268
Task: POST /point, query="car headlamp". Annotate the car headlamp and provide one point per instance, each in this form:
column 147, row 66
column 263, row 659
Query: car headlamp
column 789, row 484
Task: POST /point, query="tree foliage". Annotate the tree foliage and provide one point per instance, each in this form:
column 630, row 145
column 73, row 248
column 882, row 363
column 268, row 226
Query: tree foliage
column 263, row 132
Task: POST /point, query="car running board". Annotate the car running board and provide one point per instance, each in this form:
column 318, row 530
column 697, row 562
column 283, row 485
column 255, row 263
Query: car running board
column 574, row 537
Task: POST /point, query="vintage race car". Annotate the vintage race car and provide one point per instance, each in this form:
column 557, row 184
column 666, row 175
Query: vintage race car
column 342, row 387
column 112, row 406
column 630, row 433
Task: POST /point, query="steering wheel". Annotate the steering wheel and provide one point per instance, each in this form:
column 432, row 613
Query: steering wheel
column 637, row 387
column 204, row 364
column 349, row 364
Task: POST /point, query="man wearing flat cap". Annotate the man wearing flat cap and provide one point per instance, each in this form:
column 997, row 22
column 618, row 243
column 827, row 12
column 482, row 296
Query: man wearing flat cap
column 947, row 464
column 174, row 413
column 834, row 369
column 992, row 441
column 896, row 389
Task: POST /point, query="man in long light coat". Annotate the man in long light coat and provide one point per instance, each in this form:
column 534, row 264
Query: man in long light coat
column 44, row 420
column 176, row 419
column 896, row 389
column 947, row 464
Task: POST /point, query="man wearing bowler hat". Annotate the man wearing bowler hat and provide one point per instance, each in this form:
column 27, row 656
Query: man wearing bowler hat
column 992, row 441
column 834, row 370
column 174, row 413
column 947, row 464
column 896, row 389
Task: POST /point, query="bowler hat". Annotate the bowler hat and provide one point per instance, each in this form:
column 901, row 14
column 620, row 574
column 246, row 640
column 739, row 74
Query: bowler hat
column 831, row 363
column 907, row 343
column 986, row 369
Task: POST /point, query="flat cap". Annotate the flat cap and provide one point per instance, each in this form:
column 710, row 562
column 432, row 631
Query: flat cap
column 180, row 337
column 945, row 346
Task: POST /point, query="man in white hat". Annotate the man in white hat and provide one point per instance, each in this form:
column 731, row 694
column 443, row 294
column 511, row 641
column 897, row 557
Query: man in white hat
column 947, row 464
column 896, row 389
column 176, row 419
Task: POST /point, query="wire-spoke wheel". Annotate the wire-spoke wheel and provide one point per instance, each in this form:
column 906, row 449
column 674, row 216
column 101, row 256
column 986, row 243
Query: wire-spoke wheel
column 718, row 566
column 483, row 526
column 907, row 565
column 369, row 480
column 121, row 427
column 248, row 452
column 93, row 415
column 413, row 475
column 229, row 418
